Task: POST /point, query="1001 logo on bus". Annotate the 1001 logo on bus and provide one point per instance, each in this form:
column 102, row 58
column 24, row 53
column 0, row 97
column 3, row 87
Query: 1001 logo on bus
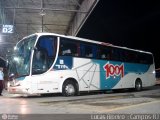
column 112, row 70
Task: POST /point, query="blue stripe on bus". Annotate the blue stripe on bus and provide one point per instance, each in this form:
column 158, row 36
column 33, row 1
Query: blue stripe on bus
column 106, row 82
column 63, row 63
column 110, row 81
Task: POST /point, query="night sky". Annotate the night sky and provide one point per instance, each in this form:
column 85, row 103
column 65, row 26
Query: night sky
column 130, row 23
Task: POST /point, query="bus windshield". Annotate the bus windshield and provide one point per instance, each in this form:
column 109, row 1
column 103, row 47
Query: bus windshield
column 19, row 63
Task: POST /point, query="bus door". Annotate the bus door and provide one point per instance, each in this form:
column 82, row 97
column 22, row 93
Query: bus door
column 43, row 58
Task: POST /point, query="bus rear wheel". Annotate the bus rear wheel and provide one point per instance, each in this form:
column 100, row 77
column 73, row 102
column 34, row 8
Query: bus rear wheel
column 69, row 88
column 138, row 85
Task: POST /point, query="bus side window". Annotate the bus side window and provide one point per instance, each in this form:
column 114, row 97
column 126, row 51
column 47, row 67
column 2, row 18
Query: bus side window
column 66, row 52
column 114, row 54
column 103, row 56
column 68, row 47
column 104, row 53
column 145, row 58
column 89, row 51
column 95, row 51
column 78, row 51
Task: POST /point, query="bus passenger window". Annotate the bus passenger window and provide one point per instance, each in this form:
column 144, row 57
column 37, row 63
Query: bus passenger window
column 103, row 56
column 104, row 53
column 68, row 47
column 66, row 52
column 88, row 51
column 89, row 55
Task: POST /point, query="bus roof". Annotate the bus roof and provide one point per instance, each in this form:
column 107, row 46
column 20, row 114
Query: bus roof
column 88, row 40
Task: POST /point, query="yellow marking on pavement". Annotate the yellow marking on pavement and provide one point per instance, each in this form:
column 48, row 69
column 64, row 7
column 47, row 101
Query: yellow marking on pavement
column 132, row 106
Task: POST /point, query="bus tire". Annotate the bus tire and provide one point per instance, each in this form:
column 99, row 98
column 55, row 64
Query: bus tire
column 69, row 88
column 138, row 85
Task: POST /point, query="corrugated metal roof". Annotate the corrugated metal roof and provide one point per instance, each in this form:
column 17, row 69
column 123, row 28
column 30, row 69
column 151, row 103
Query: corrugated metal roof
column 32, row 16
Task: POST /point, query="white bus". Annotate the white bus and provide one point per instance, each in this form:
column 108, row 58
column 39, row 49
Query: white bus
column 52, row 63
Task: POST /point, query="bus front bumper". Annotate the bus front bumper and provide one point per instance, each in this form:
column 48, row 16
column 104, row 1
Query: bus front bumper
column 17, row 90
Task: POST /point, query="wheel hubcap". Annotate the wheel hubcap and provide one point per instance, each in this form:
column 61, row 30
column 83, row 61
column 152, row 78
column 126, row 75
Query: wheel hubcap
column 70, row 90
column 138, row 86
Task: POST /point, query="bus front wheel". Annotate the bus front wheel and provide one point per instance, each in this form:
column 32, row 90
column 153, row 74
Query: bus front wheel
column 138, row 85
column 69, row 88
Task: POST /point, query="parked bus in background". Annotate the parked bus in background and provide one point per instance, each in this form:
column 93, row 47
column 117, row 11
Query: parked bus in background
column 52, row 63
